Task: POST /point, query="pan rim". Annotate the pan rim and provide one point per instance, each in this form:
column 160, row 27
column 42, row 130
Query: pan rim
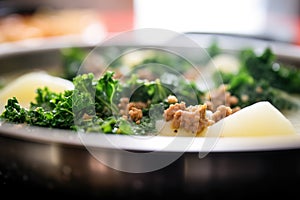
column 73, row 139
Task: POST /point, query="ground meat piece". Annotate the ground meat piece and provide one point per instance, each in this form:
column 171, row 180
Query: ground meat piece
column 221, row 112
column 186, row 120
column 259, row 90
column 86, row 116
column 139, row 105
column 169, row 113
column 131, row 110
column 172, row 99
column 195, row 118
column 177, row 119
column 220, row 96
column 135, row 111
column 192, row 118
column 245, row 98
column 210, row 105
column 136, row 115
column 235, row 109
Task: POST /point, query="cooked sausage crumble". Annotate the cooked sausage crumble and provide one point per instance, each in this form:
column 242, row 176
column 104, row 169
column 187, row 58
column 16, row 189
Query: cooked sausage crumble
column 195, row 118
column 131, row 110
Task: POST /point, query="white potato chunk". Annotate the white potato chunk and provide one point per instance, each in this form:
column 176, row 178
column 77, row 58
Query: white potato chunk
column 24, row 87
column 259, row 119
column 226, row 63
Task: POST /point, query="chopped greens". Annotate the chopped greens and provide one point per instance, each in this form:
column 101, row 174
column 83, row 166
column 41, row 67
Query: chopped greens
column 257, row 80
column 265, row 67
column 56, row 112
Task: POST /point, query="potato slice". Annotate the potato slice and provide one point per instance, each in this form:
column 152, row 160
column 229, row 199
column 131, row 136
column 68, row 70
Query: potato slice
column 259, row 119
column 24, row 87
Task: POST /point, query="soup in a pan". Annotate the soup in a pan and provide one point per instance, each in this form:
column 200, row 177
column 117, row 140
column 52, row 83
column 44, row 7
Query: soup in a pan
column 254, row 92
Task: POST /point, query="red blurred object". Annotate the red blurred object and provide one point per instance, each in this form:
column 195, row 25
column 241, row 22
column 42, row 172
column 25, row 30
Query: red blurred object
column 118, row 21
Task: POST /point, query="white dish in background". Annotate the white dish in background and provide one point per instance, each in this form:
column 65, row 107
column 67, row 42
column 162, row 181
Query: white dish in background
column 40, row 44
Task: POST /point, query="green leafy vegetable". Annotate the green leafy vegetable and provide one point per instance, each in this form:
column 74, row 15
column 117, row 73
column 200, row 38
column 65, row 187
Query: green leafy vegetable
column 106, row 90
column 14, row 112
column 71, row 61
column 265, row 67
column 55, row 112
column 258, row 81
column 214, row 49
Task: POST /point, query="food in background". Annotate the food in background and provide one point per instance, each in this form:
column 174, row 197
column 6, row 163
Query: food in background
column 51, row 23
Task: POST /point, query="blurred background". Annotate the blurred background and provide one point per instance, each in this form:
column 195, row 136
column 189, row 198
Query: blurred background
column 92, row 20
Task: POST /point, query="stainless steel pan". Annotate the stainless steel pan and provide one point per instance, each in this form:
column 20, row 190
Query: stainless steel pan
column 56, row 163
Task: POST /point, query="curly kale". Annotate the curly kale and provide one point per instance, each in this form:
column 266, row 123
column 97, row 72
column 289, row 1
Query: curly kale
column 14, row 112
column 266, row 67
column 40, row 113
column 257, row 80
column 106, row 90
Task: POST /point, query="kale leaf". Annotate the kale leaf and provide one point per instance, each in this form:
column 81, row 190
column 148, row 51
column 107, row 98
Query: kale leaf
column 105, row 96
column 265, row 67
column 72, row 59
column 54, row 112
column 257, row 80
column 14, row 112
